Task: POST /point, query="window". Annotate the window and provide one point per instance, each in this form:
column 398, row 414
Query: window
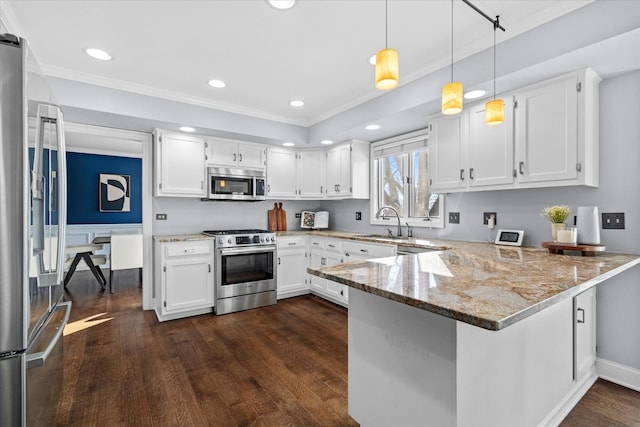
column 400, row 177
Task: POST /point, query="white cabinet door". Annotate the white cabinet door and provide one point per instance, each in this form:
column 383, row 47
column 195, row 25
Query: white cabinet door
column 235, row 154
column 490, row 148
column 180, row 165
column 251, row 156
column 585, row 332
column 281, row 173
column 188, row 284
column 546, row 129
column 317, row 284
column 222, row 153
column 339, row 171
column 292, row 271
column 447, row 156
column 311, row 174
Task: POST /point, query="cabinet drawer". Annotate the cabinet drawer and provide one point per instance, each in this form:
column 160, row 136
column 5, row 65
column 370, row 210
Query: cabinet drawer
column 368, row 250
column 316, row 242
column 332, row 245
column 176, row 249
column 291, row 242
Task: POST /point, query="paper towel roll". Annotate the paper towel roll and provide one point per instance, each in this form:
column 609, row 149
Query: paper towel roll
column 588, row 225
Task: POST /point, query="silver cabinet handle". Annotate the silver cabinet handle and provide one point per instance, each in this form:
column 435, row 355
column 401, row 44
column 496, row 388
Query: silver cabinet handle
column 234, row 157
column 201, row 184
column 292, row 243
column 331, row 246
column 364, row 251
column 240, row 155
column 321, row 189
column 461, row 174
column 188, row 251
column 581, row 310
column 323, row 261
column 521, row 168
column 278, row 260
column 471, row 173
column 268, row 188
column 347, row 254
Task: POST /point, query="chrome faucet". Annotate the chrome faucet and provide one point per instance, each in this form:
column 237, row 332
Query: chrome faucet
column 397, row 216
column 409, row 230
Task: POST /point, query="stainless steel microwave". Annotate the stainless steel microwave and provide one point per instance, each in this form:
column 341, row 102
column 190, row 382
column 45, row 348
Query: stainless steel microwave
column 236, row 184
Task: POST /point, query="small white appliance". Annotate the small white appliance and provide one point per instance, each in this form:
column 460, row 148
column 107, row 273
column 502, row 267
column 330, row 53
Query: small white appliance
column 588, row 225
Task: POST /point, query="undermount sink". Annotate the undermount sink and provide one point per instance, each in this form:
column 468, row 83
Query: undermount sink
column 380, row 236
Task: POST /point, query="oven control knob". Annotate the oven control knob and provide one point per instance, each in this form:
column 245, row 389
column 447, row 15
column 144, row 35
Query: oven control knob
column 273, row 239
column 261, row 239
column 221, row 240
column 230, row 240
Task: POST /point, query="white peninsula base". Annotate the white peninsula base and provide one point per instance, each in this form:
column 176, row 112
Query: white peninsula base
column 410, row 367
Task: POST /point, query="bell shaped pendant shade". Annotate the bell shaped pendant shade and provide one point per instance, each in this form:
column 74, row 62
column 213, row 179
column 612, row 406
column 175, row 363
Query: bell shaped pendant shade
column 387, row 69
column 452, row 98
column 494, row 112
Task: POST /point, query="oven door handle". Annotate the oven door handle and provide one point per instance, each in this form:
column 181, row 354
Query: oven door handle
column 248, row 250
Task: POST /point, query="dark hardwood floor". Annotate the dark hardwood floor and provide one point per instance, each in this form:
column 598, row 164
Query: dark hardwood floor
column 284, row 365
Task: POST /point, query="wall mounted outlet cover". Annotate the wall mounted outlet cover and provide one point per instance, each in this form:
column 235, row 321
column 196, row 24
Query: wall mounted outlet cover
column 161, row 217
column 298, row 215
column 358, row 216
column 454, row 217
column 487, row 215
column 613, row 221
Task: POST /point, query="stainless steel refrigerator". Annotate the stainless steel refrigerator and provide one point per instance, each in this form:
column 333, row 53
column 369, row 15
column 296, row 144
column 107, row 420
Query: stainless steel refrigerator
column 32, row 240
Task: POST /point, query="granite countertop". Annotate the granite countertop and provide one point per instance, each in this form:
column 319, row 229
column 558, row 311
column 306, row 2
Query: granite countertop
column 432, row 244
column 181, row 238
column 482, row 284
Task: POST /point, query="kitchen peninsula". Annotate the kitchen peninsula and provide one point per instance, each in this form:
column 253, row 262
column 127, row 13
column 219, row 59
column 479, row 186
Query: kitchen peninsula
column 474, row 335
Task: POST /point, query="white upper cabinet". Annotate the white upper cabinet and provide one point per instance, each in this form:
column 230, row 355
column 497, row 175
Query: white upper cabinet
column 281, row 173
column 490, row 148
column 549, row 138
column 556, row 133
column 311, row 174
column 340, row 172
column 447, row 153
column 179, row 165
column 348, row 171
column 235, row 154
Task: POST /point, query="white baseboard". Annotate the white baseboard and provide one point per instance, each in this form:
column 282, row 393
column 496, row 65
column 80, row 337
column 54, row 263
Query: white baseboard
column 619, row 374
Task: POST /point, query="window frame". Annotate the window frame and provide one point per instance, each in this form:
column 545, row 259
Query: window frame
column 401, row 145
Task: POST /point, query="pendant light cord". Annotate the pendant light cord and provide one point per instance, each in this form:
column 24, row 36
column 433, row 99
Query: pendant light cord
column 496, row 25
column 452, row 40
column 386, row 23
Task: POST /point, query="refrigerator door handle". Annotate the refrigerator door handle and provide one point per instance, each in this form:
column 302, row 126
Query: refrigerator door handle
column 40, row 358
column 62, row 192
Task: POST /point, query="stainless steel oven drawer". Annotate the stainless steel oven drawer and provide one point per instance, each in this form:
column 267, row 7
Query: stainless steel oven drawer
column 245, row 302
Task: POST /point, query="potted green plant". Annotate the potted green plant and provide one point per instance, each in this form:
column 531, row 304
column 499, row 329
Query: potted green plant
column 557, row 214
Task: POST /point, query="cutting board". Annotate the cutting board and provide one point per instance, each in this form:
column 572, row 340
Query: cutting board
column 272, row 218
column 282, row 218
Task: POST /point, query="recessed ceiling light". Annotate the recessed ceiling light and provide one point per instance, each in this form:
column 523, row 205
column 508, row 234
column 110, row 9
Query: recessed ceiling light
column 372, row 59
column 288, row 144
column 372, row 127
column 282, row 4
column 187, row 129
column 473, row 94
column 326, row 142
column 219, row 84
column 296, row 103
column 98, row 54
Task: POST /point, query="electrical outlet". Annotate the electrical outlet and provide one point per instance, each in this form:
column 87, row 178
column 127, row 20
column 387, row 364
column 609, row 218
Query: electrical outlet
column 613, row 221
column 161, row 217
column 454, row 217
column 358, row 216
column 487, row 215
column 298, row 215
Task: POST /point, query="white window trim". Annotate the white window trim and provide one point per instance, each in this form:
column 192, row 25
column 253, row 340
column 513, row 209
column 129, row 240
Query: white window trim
column 398, row 141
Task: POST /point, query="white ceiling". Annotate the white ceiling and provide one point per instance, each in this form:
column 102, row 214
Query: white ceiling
column 316, row 51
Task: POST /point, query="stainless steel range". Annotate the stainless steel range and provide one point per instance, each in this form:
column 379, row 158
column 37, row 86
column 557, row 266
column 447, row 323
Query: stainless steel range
column 245, row 269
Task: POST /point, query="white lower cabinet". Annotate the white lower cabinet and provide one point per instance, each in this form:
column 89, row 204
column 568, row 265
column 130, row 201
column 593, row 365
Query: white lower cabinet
column 186, row 273
column 326, row 252
column 292, row 266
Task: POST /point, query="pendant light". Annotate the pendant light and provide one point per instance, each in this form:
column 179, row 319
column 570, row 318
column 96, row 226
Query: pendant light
column 494, row 109
column 387, row 73
column 452, row 91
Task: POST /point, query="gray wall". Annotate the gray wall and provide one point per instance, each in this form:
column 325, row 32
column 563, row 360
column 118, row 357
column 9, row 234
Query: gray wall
column 618, row 298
